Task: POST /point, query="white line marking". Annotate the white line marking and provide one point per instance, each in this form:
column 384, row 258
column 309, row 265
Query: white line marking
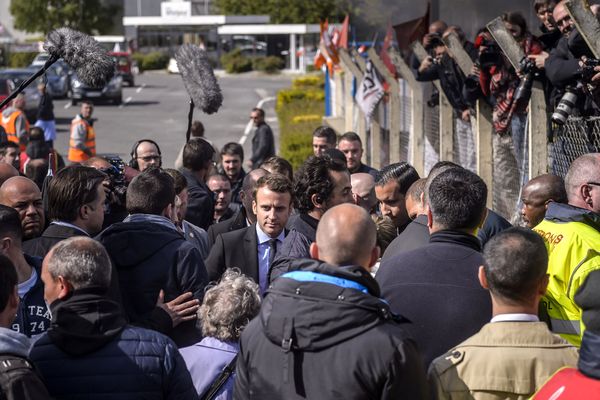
column 68, row 105
column 127, row 100
column 140, row 88
column 262, row 93
column 250, row 123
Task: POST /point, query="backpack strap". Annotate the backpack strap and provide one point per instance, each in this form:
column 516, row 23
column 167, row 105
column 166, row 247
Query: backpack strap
column 220, row 380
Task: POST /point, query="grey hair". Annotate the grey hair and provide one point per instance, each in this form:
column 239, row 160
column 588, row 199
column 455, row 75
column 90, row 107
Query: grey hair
column 229, row 306
column 82, row 261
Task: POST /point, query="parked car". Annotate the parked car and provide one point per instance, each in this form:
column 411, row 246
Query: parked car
column 113, row 91
column 40, row 60
column 4, row 90
column 172, row 68
column 124, row 66
column 58, row 79
column 14, row 77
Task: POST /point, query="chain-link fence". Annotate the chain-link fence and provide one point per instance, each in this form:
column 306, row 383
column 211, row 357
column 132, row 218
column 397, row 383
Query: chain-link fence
column 576, row 137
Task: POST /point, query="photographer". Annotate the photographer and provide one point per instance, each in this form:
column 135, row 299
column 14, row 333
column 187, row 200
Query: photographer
column 564, row 67
column 115, row 186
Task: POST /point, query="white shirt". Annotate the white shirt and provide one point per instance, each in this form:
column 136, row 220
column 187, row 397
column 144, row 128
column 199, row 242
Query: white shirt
column 517, row 317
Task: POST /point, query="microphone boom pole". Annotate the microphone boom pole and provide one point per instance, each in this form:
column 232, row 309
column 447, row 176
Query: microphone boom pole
column 51, row 60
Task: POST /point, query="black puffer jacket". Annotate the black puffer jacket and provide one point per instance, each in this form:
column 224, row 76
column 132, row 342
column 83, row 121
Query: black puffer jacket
column 149, row 257
column 324, row 333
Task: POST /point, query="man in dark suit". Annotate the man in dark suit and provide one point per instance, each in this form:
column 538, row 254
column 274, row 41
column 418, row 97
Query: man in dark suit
column 76, row 199
column 436, row 286
column 263, row 143
column 245, row 216
column 197, row 161
column 252, row 249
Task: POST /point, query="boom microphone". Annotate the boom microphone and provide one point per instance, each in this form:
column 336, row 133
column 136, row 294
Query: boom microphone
column 198, row 78
column 84, row 54
column 91, row 62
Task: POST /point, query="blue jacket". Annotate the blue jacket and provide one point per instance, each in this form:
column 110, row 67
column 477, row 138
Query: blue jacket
column 33, row 317
column 206, row 360
column 90, row 353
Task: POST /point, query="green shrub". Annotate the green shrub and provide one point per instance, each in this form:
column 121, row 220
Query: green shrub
column 269, row 65
column 296, row 147
column 21, row 60
column 234, row 62
column 290, row 95
column 309, row 81
column 155, row 60
column 139, row 59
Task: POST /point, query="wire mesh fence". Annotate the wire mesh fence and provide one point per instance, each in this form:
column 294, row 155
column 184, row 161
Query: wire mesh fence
column 576, row 137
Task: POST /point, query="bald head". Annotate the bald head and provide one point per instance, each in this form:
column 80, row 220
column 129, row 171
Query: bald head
column 7, row 171
column 23, row 195
column 363, row 190
column 536, row 195
column 97, row 163
column 346, row 235
column 583, row 182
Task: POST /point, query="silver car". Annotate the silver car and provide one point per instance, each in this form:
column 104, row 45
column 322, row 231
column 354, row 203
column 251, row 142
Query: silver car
column 32, row 96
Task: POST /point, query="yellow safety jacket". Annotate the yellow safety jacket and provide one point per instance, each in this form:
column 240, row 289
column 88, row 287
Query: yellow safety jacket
column 572, row 237
column 10, row 126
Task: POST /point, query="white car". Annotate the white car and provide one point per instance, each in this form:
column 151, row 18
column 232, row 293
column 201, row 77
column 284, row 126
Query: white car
column 172, row 68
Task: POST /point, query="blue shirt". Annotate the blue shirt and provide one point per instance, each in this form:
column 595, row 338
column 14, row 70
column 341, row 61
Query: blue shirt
column 264, row 252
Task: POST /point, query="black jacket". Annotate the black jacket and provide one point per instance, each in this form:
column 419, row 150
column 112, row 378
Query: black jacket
column 263, row 145
column 317, row 340
column 414, row 236
column 201, row 203
column 238, row 221
column 40, row 246
column 45, row 108
column 149, row 257
column 494, row 223
column 33, row 317
column 451, row 80
column 436, row 287
column 90, row 353
column 237, row 249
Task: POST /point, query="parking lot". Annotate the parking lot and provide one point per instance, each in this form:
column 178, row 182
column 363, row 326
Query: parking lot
column 157, row 107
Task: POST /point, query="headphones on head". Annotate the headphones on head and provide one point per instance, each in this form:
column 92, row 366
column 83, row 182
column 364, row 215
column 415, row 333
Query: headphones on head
column 133, row 163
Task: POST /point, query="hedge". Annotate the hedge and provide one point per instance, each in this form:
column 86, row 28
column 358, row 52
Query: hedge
column 269, row 65
column 21, row 60
column 235, row 62
column 151, row 61
column 300, row 111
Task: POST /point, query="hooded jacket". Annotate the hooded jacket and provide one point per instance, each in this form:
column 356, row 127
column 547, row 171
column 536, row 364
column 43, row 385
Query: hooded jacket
column 90, row 352
column 324, row 333
column 33, row 316
column 148, row 257
column 18, row 378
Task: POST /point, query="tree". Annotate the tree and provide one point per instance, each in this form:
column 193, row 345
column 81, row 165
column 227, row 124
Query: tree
column 285, row 11
column 89, row 16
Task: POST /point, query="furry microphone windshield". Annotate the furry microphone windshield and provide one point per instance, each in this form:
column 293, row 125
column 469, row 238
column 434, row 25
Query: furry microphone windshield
column 198, row 78
column 84, row 54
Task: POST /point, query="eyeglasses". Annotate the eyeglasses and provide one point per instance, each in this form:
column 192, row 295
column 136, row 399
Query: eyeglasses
column 593, row 183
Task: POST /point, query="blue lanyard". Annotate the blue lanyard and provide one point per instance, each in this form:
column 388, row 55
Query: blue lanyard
column 310, row 276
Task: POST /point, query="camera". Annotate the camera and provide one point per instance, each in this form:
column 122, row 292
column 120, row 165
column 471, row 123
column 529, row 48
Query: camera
column 528, row 69
column 434, row 100
column 117, row 181
column 565, row 105
column 587, row 70
column 490, row 55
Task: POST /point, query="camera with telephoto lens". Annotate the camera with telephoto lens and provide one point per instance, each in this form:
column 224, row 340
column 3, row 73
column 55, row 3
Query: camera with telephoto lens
column 528, row 70
column 566, row 104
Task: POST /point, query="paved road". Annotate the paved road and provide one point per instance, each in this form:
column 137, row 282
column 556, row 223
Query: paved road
column 157, row 109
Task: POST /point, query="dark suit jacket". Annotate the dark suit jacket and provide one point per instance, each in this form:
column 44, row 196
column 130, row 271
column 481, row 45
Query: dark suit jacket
column 236, row 249
column 238, row 221
column 53, row 234
column 263, row 145
column 200, row 201
column 414, row 236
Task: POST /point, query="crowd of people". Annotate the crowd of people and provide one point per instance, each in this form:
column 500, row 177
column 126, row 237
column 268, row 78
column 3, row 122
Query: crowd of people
column 232, row 277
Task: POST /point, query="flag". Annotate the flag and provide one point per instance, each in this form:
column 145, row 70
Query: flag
column 370, row 90
column 343, row 36
column 327, row 52
column 387, row 43
column 408, row 32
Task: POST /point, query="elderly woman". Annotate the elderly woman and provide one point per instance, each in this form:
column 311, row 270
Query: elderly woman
column 226, row 310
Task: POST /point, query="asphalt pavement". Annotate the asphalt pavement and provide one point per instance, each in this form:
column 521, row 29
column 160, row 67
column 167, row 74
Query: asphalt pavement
column 157, row 108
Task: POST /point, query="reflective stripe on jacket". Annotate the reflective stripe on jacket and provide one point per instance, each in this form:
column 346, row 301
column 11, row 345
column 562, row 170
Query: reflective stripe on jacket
column 573, row 243
column 76, row 154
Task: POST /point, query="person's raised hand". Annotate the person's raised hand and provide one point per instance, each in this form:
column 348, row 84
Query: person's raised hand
column 181, row 308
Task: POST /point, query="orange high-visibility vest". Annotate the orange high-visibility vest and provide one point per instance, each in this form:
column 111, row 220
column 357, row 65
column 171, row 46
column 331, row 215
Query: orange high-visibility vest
column 78, row 155
column 10, row 126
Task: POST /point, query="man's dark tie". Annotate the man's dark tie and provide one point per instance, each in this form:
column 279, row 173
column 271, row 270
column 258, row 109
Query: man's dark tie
column 272, row 250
